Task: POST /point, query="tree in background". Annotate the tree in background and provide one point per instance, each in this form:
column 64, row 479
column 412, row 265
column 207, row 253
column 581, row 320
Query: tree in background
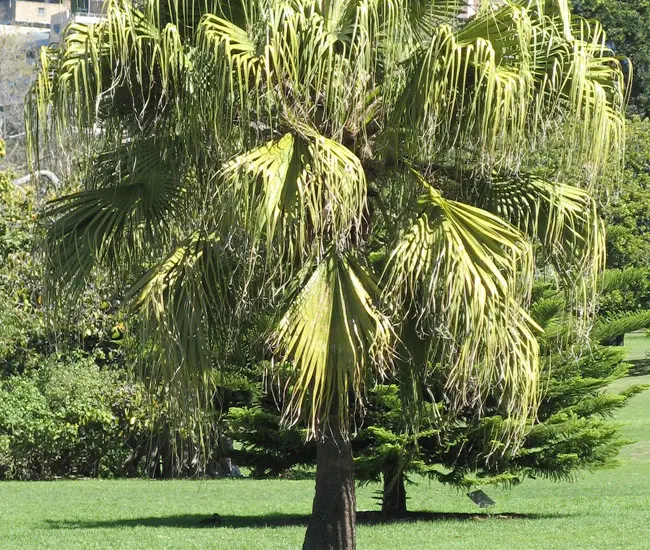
column 625, row 300
column 627, row 208
column 572, row 431
column 16, row 76
column 360, row 166
column 628, row 34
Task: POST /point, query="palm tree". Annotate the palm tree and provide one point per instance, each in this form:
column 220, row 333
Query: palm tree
column 363, row 167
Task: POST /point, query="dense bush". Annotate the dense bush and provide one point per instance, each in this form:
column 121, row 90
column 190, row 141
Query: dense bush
column 69, row 401
column 66, row 418
column 66, row 406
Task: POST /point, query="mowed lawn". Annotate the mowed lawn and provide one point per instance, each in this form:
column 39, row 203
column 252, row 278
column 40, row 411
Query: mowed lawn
column 602, row 510
column 637, row 345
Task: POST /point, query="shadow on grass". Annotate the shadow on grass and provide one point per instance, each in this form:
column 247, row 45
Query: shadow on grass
column 640, row 367
column 196, row 521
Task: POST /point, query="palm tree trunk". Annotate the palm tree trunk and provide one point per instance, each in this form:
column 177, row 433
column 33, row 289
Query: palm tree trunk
column 393, row 503
column 333, row 520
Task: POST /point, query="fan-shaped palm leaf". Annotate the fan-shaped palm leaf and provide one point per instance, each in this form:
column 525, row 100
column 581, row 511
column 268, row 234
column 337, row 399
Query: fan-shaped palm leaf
column 297, row 191
column 132, row 197
column 562, row 217
column 458, row 270
column 332, row 332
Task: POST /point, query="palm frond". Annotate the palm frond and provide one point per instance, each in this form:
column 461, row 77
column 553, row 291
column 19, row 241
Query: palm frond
column 120, row 73
column 513, row 75
column 236, row 65
column 565, row 220
column 127, row 210
column 184, row 301
column 580, row 85
column 461, row 273
column 187, row 324
column 333, row 332
column 466, row 88
column 297, row 193
column 449, row 236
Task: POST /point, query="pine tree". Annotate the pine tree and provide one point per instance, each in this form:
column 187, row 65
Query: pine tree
column 573, row 431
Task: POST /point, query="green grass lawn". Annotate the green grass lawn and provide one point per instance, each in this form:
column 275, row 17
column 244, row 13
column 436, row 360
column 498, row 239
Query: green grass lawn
column 637, row 345
column 603, row 510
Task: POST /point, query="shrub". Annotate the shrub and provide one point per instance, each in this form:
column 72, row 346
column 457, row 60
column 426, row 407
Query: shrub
column 65, row 418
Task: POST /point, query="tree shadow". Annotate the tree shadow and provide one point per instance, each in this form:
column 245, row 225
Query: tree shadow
column 640, row 367
column 198, row 521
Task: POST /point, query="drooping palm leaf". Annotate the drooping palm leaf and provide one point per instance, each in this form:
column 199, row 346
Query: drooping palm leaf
column 297, row 192
column 182, row 300
column 486, row 90
column 333, row 332
column 457, row 270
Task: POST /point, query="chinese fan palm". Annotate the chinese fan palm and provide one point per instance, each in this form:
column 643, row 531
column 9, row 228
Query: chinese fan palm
column 246, row 155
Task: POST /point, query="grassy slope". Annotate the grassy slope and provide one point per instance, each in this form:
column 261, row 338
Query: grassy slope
column 607, row 509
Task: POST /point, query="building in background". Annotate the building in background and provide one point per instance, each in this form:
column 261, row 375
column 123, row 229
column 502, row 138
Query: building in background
column 86, row 12
column 469, row 9
column 37, row 13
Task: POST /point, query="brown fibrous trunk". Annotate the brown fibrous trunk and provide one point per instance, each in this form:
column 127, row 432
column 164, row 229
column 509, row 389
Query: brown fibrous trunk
column 393, row 503
column 333, row 521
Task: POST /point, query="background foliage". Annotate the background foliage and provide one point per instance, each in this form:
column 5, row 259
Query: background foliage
column 628, row 33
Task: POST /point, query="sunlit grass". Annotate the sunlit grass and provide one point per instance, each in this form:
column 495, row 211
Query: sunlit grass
column 637, row 345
